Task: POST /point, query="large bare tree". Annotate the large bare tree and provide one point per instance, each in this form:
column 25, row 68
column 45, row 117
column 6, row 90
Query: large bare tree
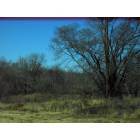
column 102, row 48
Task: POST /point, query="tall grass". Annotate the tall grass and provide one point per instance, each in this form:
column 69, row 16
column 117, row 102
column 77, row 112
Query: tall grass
column 96, row 110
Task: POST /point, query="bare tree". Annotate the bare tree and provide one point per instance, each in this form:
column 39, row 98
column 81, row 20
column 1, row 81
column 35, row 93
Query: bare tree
column 103, row 49
column 133, row 77
column 31, row 68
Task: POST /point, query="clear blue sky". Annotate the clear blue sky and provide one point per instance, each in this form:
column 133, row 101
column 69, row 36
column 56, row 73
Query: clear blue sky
column 23, row 37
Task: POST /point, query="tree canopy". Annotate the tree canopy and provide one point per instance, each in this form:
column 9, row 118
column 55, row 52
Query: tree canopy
column 103, row 49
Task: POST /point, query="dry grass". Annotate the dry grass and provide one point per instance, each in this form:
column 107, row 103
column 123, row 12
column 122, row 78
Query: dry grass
column 71, row 110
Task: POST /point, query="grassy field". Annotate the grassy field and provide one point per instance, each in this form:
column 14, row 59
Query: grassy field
column 72, row 110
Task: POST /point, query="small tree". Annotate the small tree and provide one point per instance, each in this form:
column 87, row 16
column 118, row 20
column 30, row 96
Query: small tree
column 31, row 68
column 133, row 77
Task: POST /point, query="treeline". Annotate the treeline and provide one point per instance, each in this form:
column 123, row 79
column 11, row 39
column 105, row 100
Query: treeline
column 29, row 75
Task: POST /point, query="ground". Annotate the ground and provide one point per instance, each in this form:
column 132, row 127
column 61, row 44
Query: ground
column 72, row 111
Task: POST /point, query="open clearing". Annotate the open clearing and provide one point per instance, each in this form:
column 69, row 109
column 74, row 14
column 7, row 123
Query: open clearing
column 72, row 111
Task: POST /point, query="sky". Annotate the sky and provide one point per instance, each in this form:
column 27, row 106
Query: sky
column 22, row 37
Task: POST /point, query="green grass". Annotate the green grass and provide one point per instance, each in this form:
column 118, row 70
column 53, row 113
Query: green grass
column 72, row 110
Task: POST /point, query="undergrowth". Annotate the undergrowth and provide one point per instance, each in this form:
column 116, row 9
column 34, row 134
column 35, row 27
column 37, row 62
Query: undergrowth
column 68, row 109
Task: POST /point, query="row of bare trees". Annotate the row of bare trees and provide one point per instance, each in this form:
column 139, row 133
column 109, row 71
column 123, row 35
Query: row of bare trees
column 30, row 75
